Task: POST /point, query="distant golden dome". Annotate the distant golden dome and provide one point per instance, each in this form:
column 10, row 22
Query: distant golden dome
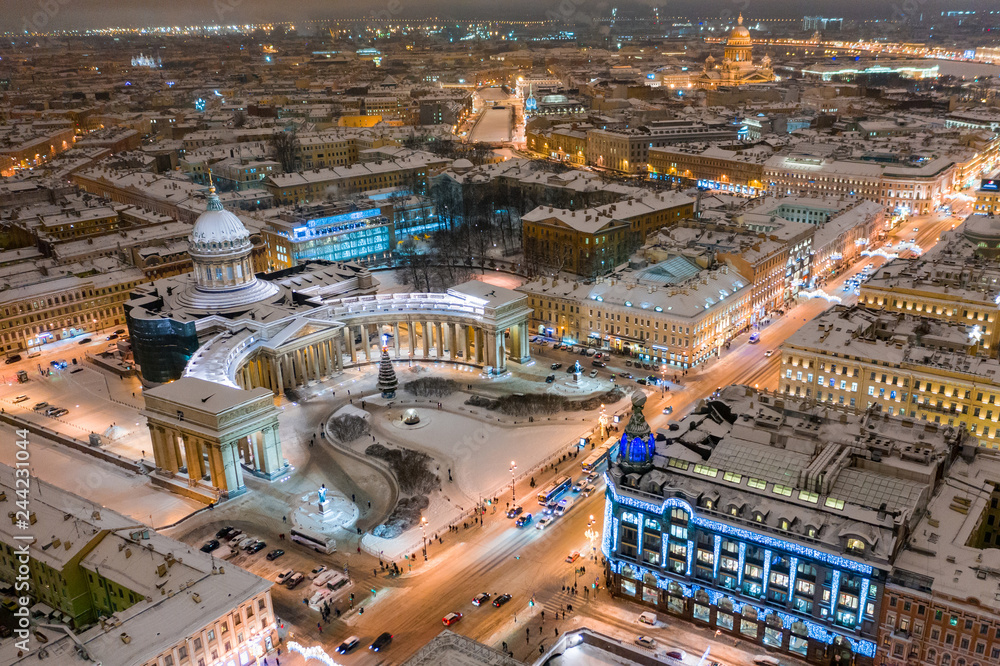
column 739, row 32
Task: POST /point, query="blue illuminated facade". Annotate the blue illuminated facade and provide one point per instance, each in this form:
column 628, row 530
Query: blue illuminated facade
column 780, row 593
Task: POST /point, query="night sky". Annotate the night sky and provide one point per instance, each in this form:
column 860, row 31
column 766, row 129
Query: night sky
column 82, row 14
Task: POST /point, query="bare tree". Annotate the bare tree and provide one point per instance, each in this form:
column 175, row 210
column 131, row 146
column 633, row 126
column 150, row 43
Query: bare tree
column 239, row 118
column 284, row 146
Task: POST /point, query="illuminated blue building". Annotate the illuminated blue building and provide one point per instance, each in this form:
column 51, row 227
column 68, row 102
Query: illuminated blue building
column 330, row 233
column 777, row 524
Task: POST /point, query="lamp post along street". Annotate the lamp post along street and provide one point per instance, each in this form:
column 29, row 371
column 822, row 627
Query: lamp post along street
column 513, row 497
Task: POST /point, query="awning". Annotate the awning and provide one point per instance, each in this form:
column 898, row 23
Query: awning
column 41, row 609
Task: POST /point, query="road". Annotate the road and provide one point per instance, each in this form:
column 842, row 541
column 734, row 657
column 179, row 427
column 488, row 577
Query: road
column 499, row 558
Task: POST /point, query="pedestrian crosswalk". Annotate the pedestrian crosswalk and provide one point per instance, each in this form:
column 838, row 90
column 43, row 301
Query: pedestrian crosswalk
column 563, row 601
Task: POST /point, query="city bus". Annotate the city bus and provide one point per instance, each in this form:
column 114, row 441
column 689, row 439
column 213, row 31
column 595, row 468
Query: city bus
column 321, row 543
column 560, row 486
column 599, row 455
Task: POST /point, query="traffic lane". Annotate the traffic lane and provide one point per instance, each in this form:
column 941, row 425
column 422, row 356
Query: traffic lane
column 520, row 562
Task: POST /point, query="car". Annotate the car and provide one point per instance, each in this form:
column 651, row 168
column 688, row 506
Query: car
column 769, row 353
column 235, row 538
column 675, row 654
column 245, row 542
column 225, row 533
column 754, row 338
column 349, row 644
column 85, row 341
column 59, row 364
column 645, row 641
column 13, row 358
column 580, row 483
column 669, row 409
column 766, row 660
column 555, row 366
column 573, row 557
column 593, row 373
column 592, row 476
column 119, row 331
column 591, row 352
column 382, row 642
column 523, row 520
column 294, row 580
column 451, row 618
column 599, row 355
column 628, row 363
column 113, row 336
column 20, row 398
column 626, row 375
column 210, row 546
column 588, row 490
column 514, row 511
column 39, row 406
column 916, row 229
column 257, row 547
column 598, row 364
column 283, row 576
column 275, row 554
column 550, row 379
column 60, row 411
column 317, row 571
column 544, row 522
column 480, row 598
column 51, row 411
column 501, row 600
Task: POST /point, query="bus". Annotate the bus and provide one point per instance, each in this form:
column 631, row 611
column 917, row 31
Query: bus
column 599, row 456
column 560, row 486
column 321, row 543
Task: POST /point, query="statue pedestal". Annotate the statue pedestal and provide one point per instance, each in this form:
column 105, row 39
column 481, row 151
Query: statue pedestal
column 323, row 506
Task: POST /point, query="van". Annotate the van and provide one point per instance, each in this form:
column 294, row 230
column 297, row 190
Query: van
column 293, row 581
column 320, row 598
column 649, row 617
column 565, row 504
column 754, row 338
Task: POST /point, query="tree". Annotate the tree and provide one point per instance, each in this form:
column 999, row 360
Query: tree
column 387, row 382
column 239, row 118
column 284, row 146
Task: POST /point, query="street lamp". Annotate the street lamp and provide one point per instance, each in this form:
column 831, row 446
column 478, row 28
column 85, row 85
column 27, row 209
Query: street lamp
column 603, row 422
column 592, row 535
column 423, row 529
column 513, row 498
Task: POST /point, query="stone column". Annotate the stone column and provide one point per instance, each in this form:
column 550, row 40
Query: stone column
column 364, row 342
column 271, row 458
column 159, row 450
column 446, row 335
column 395, row 338
column 231, row 467
column 411, row 327
column 338, row 357
column 425, row 341
column 279, row 381
column 468, row 337
column 314, row 352
column 491, row 350
column 192, row 454
column 217, row 469
column 349, row 341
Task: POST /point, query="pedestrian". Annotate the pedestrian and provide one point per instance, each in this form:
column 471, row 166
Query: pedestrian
column 543, row 616
column 556, row 629
column 284, row 519
column 369, row 504
column 375, row 572
column 352, row 497
column 319, row 625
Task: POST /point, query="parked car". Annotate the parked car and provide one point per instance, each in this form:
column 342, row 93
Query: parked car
column 317, row 571
column 275, row 554
column 451, row 618
column 234, row 541
column 50, row 411
column 550, row 379
column 85, row 341
column 294, row 580
column 523, row 520
column 283, row 576
column 246, row 542
column 382, row 642
column 210, row 546
column 593, row 373
column 13, row 358
column 501, row 600
column 676, row 654
column 480, row 598
column 225, row 533
column 544, row 522
column 573, row 557
column 60, row 411
column 555, row 366
column 113, row 336
column 257, row 547
column 349, row 644
column 20, row 398
column 645, row 641
column 766, row 660
column 119, row 331
column 515, row 511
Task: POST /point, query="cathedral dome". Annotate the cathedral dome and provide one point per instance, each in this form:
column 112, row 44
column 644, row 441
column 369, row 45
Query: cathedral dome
column 739, row 33
column 217, row 230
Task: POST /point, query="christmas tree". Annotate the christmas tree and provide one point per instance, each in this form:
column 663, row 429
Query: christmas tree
column 387, row 382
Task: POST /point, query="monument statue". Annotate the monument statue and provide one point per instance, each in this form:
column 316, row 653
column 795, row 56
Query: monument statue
column 322, row 494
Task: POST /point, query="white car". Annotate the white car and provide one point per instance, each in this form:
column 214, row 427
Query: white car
column 588, row 490
column 768, row 353
column 544, row 522
column 645, row 641
column 766, row 660
column 593, row 373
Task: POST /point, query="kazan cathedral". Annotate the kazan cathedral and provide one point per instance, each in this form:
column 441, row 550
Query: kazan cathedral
column 737, row 66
